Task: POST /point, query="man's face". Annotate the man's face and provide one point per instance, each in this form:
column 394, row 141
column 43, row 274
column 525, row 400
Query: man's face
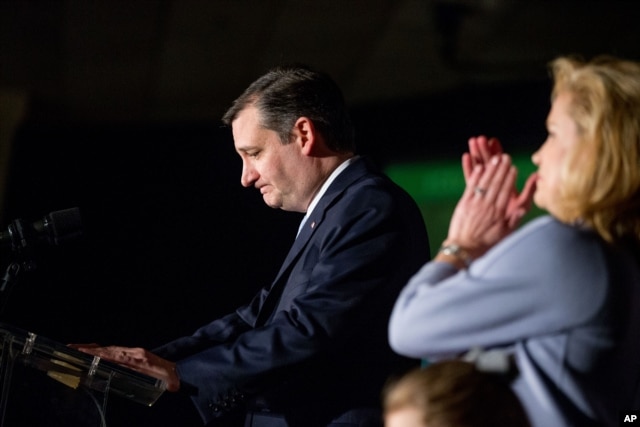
column 277, row 170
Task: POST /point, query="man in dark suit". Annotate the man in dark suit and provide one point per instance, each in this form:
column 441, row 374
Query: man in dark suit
column 311, row 348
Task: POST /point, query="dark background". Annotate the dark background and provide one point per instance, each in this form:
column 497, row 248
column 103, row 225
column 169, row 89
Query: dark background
column 114, row 107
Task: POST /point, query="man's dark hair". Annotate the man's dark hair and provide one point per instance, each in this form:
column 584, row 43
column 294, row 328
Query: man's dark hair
column 287, row 93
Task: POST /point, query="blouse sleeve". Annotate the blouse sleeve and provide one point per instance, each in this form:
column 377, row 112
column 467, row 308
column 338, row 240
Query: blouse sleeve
column 542, row 279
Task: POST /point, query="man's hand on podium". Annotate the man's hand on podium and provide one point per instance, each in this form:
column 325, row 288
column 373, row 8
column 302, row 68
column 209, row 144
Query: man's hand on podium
column 137, row 359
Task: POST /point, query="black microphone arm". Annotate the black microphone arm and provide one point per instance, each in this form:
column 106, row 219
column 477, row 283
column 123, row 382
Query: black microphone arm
column 55, row 228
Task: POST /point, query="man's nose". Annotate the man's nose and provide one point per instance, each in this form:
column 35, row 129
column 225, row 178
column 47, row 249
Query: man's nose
column 249, row 176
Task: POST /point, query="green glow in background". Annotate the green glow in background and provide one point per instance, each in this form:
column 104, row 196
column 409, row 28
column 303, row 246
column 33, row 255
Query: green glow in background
column 436, row 187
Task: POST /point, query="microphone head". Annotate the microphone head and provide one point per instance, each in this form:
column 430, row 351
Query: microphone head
column 61, row 226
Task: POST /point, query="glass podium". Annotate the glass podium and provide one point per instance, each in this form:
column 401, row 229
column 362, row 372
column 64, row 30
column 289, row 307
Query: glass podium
column 51, row 367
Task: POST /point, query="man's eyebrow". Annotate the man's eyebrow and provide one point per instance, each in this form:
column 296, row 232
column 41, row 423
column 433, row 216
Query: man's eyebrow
column 246, row 148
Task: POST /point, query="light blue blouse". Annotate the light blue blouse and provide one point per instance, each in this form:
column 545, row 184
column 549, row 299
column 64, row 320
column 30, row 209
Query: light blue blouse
column 567, row 306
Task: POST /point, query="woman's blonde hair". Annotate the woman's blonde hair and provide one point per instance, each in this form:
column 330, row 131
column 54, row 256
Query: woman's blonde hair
column 602, row 176
column 454, row 393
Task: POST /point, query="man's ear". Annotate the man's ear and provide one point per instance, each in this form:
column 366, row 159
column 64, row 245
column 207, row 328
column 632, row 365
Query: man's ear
column 305, row 135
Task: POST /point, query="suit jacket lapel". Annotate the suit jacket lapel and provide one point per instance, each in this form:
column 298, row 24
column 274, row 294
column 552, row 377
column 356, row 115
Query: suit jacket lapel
column 337, row 187
column 342, row 181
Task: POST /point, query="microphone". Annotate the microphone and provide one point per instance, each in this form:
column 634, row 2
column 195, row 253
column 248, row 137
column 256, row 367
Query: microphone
column 55, row 228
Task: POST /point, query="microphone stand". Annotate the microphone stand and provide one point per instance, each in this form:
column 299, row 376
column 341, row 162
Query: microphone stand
column 55, row 227
column 10, row 278
column 20, row 244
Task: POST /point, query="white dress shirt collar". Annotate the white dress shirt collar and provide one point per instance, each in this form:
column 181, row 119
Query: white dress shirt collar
column 337, row 171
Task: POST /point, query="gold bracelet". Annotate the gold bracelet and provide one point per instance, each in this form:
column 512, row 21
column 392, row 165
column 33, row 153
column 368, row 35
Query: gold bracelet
column 456, row 251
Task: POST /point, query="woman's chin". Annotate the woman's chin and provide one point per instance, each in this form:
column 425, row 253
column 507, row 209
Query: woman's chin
column 538, row 200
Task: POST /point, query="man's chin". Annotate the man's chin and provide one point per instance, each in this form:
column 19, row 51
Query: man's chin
column 271, row 203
